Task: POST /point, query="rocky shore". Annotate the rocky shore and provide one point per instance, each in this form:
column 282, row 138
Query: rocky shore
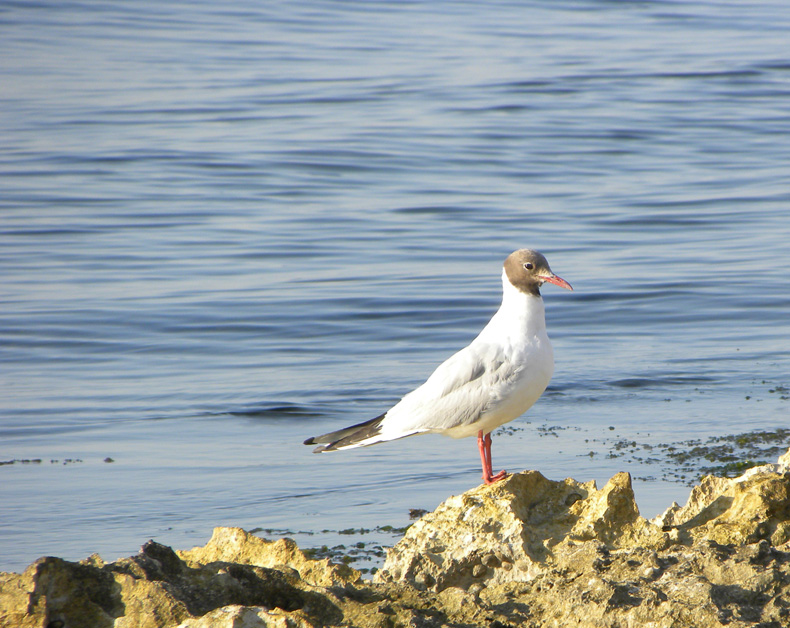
column 526, row 551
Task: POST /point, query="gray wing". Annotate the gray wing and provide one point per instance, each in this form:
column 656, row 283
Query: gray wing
column 458, row 392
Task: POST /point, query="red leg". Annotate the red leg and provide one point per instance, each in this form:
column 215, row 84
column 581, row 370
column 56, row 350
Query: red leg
column 484, row 445
column 502, row 474
column 481, row 446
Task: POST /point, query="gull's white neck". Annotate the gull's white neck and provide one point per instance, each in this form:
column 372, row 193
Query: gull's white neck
column 521, row 313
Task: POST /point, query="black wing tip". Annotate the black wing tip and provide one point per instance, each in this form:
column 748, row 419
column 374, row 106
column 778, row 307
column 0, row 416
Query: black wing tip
column 312, row 441
column 329, row 442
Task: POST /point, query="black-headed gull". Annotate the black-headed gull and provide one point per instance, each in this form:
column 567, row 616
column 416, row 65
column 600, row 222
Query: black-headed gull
column 492, row 381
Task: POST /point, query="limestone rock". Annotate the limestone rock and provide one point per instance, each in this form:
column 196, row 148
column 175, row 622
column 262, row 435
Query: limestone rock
column 157, row 589
column 236, row 616
column 511, row 531
column 234, row 545
column 741, row 510
column 527, row 551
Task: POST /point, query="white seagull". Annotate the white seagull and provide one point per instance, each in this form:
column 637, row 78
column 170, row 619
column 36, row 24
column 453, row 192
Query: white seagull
column 492, row 381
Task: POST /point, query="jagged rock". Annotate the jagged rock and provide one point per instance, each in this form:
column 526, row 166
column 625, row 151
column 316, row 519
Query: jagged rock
column 245, row 617
column 527, row 551
column 156, row 588
column 741, row 510
column 513, row 530
column 234, row 545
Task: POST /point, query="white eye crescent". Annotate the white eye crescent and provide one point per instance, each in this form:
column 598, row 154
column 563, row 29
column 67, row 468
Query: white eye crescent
column 529, row 266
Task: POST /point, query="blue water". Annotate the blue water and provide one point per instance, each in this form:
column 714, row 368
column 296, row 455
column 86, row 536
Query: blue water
column 226, row 228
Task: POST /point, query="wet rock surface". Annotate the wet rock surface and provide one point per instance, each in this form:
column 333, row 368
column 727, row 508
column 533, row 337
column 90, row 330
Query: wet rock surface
column 526, row 551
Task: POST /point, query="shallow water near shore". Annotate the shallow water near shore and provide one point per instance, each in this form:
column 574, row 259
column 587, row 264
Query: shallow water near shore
column 227, row 229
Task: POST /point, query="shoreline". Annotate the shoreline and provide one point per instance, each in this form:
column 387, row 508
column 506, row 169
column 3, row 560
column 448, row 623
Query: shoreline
column 524, row 551
column 363, row 546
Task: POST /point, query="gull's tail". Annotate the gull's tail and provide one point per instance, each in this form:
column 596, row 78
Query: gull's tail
column 358, row 435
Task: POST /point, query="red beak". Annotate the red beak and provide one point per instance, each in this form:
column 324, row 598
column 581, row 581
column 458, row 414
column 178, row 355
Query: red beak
column 557, row 281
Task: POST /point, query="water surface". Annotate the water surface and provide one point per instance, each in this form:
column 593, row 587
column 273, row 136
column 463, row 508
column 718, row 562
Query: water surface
column 227, row 228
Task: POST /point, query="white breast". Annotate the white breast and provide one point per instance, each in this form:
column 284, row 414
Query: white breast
column 519, row 328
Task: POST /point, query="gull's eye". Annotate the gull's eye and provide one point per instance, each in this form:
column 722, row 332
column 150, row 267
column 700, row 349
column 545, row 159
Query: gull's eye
column 529, row 266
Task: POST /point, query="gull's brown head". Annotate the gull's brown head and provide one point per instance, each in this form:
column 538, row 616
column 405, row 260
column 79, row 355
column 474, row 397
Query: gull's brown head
column 528, row 270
